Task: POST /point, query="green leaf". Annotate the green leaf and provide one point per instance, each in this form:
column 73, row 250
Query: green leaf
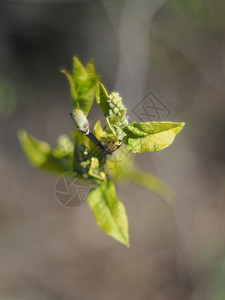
column 109, row 212
column 94, row 170
column 79, row 71
column 150, row 182
column 91, row 68
column 40, row 154
column 150, row 136
column 83, row 84
column 97, row 130
column 102, row 97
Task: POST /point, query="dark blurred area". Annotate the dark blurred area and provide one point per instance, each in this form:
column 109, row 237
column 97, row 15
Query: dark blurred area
column 175, row 49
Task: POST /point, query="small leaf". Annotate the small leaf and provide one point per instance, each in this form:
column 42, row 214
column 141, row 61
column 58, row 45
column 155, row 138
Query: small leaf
column 85, row 81
column 91, row 68
column 94, row 170
column 79, row 71
column 83, row 84
column 86, row 93
column 36, row 151
column 150, row 136
column 97, row 130
column 150, row 182
column 40, row 154
column 109, row 212
column 102, row 97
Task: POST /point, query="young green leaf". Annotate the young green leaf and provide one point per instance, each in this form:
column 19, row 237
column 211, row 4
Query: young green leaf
column 97, row 130
column 90, row 68
column 40, row 154
column 102, row 97
column 150, row 136
column 150, row 182
column 109, row 212
column 83, row 84
column 79, row 70
column 94, row 170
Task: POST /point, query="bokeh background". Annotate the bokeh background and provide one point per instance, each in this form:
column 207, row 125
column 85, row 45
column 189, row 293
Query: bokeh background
column 175, row 49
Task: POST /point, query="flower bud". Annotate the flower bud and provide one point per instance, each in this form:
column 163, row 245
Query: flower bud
column 80, row 120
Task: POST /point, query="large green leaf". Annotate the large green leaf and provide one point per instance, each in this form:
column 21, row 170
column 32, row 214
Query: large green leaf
column 40, row 154
column 150, row 136
column 83, row 83
column 109, row 212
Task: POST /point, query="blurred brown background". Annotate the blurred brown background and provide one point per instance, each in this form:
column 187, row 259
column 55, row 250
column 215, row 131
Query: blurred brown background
column 175, row 49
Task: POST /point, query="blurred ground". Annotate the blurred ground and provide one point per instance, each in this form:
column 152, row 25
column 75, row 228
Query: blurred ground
column 175, row 49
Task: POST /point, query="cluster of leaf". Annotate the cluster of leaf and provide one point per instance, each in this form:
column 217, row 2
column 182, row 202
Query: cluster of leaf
column 79, row 155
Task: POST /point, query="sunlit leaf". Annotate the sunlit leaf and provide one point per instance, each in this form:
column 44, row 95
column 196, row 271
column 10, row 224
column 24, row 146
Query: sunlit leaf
column 150, row 136
column 79, row 71
column 83, row 83
column 102, row 97
column 97, row 130
column 109, row 212
column 94, row 170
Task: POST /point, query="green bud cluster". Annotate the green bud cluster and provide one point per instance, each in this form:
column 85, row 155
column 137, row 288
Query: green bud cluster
column 116, row 107
column 117, row 110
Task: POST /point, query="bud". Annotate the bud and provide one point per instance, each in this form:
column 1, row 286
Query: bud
column 115, row 105
column 80, row 120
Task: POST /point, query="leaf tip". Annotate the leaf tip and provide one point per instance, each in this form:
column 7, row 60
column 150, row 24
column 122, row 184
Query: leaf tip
column 127, row 244
column 76, row 59
column 78, row 63
column 63, row 71
column 181, row 126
